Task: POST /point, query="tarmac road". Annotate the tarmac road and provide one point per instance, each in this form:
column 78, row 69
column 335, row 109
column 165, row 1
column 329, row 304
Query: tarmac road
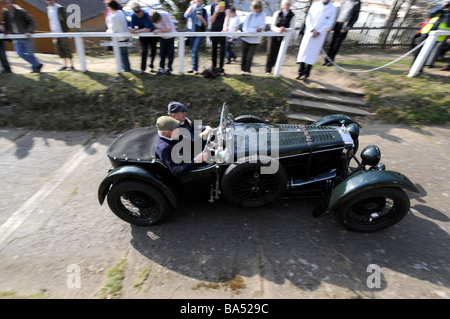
column 56, row 240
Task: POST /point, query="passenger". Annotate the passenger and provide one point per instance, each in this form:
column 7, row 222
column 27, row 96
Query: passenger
column 178, row 111
column 168, row 130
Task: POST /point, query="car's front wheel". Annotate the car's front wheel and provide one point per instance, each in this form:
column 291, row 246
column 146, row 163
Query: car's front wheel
column 245, row 184
column 374, row 209
column 138, row 203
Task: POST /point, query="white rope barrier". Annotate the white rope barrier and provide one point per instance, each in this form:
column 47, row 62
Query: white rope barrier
column 377, row 68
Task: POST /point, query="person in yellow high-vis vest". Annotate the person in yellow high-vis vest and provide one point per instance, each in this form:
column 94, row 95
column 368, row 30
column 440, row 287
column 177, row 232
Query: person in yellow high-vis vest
column 439, row 20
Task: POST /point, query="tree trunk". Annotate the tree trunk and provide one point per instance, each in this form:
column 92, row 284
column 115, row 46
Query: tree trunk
column 390, row 22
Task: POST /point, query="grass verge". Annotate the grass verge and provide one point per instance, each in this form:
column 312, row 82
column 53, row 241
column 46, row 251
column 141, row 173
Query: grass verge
column 95, row 100
column 396, row 98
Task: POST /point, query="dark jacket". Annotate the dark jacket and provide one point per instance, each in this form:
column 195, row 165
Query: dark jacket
column 24, row 21
column 62, row 16
column 163, row 149
column 352, row 16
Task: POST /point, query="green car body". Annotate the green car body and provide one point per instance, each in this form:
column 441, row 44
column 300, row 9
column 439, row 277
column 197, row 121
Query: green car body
column 308, row 159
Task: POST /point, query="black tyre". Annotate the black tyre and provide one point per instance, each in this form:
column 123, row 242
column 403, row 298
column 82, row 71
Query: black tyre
column 244, row 185
column 138, row 203
column 249, row 119
column 374, row 209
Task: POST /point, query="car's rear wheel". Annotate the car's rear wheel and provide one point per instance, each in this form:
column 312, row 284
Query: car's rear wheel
column 374, row 209
column 249, row 119
column 245, row 185
column 138, row 203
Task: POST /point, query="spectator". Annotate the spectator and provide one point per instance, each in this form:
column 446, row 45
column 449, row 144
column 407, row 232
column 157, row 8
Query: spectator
column 254, row 22
column 168, row 130
column 18, row 21
column 107, row 12
column 439, row 20
column 220, row 12
column 320, row 18
column 164, row 24
column 140, row 23
column 117, row 23
column 57, row 18
column 233, row 26
column 3, row 58
column 347, row 17
column 199, row 22
column 445, row 68
column 282, row 21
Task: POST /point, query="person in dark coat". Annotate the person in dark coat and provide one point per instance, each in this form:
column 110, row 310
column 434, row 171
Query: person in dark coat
column 178, row 111
column 176, row 160
column 347, row 16
column 18, row 21
column 3, row 58
column 283, row 20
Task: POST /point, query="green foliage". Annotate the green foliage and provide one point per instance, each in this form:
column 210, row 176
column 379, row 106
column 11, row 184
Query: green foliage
column 178, row 11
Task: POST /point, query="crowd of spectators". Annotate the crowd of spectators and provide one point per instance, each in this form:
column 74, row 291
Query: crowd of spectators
column 322, row 17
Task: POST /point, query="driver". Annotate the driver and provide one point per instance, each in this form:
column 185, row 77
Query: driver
column 178, row 111
column 168, row 131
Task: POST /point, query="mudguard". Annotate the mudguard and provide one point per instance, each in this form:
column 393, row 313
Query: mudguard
column 359, row 182
column 334, row 120
column 137, row 173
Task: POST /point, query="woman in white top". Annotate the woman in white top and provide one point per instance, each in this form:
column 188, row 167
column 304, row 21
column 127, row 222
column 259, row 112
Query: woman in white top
column 117, row 23
column 254, row 22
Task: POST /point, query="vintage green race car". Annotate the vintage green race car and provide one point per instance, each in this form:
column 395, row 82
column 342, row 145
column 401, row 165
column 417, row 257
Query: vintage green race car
column 252, row 164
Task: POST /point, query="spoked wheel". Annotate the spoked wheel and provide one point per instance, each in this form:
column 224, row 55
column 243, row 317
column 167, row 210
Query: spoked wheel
column 374, row 209
column 138, row 203
column 243, row 184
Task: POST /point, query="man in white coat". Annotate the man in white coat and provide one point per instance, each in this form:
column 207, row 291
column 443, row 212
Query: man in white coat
column 319, row 20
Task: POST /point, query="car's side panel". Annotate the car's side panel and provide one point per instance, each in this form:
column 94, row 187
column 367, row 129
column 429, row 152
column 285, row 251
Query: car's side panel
column 359, row 182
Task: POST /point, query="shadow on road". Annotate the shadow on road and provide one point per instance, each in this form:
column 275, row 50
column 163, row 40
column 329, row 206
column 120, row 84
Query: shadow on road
column 284, row 243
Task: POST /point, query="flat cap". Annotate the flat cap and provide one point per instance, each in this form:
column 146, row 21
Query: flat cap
column 175, row 107
column 167, row 123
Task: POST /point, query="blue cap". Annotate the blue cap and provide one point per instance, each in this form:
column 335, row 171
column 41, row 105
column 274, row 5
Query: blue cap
column 175, row 107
